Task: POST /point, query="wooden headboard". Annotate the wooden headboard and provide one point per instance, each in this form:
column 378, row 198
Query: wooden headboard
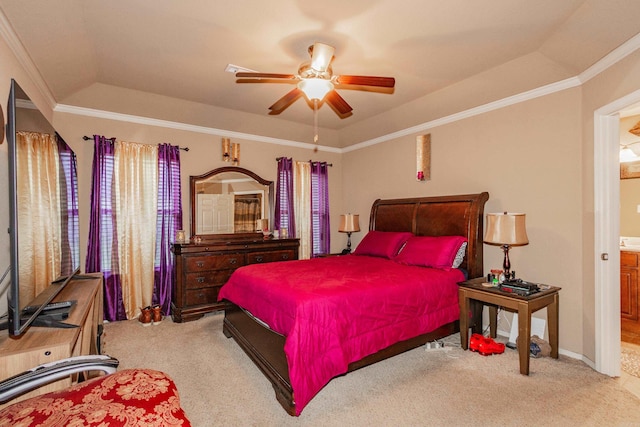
column 460, row 215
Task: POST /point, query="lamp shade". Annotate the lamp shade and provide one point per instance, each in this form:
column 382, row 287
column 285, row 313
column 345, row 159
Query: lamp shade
column 321, row 56
column 315, row 88
column 506, row 229
column 349, row 223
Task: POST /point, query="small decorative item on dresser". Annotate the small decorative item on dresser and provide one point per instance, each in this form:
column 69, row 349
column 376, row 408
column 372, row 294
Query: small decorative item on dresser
column 180, row 236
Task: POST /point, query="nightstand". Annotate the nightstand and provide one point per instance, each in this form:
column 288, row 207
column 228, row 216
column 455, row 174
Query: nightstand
column 472, row 292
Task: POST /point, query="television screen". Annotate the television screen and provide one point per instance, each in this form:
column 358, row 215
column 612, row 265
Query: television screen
column 43, row 214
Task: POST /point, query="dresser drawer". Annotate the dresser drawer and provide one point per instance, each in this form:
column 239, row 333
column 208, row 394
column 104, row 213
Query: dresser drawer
column 628, row 259
column 207, row 279
column 271, row 256
column 211, row 262
column 202, row 296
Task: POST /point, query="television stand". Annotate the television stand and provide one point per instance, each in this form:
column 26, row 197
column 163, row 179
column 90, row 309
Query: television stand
column 45, row 345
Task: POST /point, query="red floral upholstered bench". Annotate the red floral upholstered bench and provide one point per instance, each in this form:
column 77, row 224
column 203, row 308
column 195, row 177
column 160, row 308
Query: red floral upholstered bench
column 131, row 397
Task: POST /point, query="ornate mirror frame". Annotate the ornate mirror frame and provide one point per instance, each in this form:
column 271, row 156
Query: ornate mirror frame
column 195, row 179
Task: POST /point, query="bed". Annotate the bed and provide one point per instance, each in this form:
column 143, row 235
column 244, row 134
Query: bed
column 301, row 333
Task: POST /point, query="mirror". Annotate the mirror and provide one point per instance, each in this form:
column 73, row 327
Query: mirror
column 230, row 201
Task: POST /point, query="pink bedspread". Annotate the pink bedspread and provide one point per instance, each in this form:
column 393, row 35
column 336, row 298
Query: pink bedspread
column 337, row 310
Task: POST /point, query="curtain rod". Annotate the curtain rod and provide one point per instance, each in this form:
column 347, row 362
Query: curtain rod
column 310, row 161
column 87, row 138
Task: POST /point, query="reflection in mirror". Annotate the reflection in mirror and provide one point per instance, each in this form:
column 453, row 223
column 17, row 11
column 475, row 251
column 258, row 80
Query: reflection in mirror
column 230, row 200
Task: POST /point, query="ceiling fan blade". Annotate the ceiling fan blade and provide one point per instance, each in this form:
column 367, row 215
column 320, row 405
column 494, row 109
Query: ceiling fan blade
column 289, row 98
column 321, row 56
column 251, row 75
column 338, row 103
column 366, row 81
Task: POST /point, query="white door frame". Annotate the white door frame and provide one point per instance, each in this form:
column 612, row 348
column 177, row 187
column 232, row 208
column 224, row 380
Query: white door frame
column 606, row 148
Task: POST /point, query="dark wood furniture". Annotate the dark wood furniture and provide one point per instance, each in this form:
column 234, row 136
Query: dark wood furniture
column 433, row 216
column 201, row 269
column 44, row 345
column 629, row 303
column 229, row 180
column 472, row 290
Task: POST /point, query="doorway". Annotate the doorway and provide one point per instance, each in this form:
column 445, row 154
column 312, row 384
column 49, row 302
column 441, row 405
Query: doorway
column 607, row 232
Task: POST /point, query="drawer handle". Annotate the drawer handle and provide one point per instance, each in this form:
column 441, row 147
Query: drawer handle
column 233, row 261
column 259, row 259
column 285, row 256
column 200, row 279
column 200, row 264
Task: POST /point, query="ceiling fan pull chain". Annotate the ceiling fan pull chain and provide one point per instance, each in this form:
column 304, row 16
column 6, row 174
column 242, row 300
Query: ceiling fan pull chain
column 315, row 121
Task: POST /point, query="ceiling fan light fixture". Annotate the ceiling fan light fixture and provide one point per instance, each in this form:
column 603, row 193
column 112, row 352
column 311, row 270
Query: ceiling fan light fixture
column 321, row 56
column 315, row 88
column 627, row 155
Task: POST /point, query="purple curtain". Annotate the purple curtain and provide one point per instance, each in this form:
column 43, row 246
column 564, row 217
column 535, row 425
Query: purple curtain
column 168, row 222
column 102, row 245
column 284, row 215
column 320, row 227
column 70, row 224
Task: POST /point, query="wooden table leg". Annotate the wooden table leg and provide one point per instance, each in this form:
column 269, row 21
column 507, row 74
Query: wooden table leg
column 463, row 301
column 524, row 336
column 552, row 318
column 493, row 321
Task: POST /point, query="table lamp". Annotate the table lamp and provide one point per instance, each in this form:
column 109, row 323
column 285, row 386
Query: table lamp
column 349, row 223
column 506, row 229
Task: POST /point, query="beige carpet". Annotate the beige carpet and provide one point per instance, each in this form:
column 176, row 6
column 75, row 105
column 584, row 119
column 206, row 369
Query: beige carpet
column 220, row 386
column 630, row 360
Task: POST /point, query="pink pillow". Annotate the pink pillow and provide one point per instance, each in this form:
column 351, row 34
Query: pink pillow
column 431, row 251
column 385, row 244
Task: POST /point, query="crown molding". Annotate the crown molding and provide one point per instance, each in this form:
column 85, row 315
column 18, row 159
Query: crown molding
column 9, row 35
column 482, row 109
column 612, row 58
column 525, row 96
column 108, row 115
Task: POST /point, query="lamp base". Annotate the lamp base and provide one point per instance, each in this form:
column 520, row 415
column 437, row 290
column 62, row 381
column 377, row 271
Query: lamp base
column 506, row 263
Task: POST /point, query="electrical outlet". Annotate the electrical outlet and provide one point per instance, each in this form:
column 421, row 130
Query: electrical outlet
column 435, row 345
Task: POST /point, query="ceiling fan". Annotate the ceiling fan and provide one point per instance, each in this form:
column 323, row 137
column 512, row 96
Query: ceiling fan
column 316, row 81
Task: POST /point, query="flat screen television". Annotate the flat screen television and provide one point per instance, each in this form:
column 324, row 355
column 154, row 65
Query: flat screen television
column 37, row 312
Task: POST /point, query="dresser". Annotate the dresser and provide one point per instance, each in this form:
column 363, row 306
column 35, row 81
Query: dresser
column 200, row 269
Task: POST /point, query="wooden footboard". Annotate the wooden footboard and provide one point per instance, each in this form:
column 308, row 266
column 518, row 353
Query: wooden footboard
column 266, row 348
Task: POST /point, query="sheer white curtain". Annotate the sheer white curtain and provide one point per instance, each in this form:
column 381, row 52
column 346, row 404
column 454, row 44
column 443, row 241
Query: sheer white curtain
column 136, row 195
column 302, row 206
column 39, row 232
